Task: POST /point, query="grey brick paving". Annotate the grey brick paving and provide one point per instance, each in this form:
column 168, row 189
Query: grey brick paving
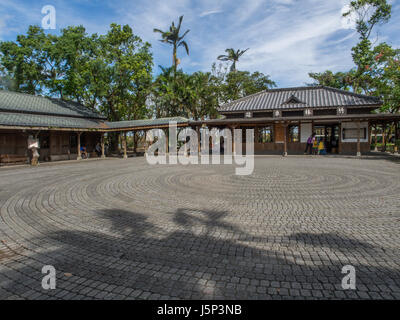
column 119, row 229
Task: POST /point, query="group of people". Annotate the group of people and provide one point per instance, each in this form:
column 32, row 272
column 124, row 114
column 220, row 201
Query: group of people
column 97, row 149
column 315, row 146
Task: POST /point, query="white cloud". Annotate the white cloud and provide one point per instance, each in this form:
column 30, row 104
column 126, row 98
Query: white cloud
column 209, row 13
column 287, row 41
column 348, row 22
column 287, row 38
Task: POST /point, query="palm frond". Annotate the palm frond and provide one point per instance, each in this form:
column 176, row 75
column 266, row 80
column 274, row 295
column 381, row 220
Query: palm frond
column 183, row 36
column 158, row 30
column 223, row 58
column 180, row 23
column 184, row 44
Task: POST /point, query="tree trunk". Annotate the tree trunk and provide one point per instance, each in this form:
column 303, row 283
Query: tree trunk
column 174, row 57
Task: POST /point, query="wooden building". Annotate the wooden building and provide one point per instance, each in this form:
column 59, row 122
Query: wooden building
column 283, row 119
column 60, row 127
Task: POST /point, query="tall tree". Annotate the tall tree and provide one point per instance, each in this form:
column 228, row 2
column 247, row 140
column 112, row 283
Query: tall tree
column 174, row 38
column 233, row 56
column 385, row 72
column 24, row 61
column 367, row 14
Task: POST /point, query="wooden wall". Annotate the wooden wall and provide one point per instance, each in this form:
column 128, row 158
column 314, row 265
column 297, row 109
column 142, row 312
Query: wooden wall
column 13, row 142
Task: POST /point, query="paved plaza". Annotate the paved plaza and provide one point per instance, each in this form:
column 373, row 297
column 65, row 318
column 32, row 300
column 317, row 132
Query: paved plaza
column 121, row 229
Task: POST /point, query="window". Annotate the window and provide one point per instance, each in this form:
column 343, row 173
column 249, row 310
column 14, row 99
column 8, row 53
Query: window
column 265, row 135
column 292, row 113
column 294, row 134
column 353, row 134
column 248, row 115
column 44, row 142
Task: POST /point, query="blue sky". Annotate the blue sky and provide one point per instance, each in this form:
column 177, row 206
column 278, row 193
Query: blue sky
column 287, row 38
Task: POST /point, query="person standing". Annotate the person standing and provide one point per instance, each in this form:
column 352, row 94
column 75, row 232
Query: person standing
column 310, row 143
column 98, row 149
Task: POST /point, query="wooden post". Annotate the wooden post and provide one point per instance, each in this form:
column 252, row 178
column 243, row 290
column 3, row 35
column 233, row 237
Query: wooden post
column 185, row 147
column 383, row 137
column 198, row 140
column 146, row 145
column 233, row 139
column 285, row 128
column 369, row 132
column 103, row 154
column 396, row 137
column 312, row 127
column 340, row 138
column 134, row 143
column 376, row 138
column 358, row 139
column 257, row 135
column 79, row 146
column 124, row 145
column 167, row 141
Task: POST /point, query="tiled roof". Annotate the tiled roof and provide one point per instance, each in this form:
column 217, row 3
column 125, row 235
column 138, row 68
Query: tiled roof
column 21, row 102
column 307, row 97
column 145, row 123
column 38, row 120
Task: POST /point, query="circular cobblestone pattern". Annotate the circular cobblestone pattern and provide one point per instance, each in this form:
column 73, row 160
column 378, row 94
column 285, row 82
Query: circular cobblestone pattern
column 118, row 229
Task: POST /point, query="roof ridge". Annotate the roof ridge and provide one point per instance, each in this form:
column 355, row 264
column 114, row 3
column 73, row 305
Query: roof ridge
column 351, row 93
column 244, row 98
column 373, row 98
column 273, row 90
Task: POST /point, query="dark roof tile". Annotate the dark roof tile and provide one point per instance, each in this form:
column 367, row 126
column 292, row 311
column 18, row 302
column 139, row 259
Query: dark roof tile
column 310, row 97
column 21, row 102
column 36, row 120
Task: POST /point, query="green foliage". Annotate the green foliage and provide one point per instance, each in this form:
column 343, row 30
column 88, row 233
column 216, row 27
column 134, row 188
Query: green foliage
column 178, row 94
column 339, row 80
column 368, row 14
column 236, row 85
column 126, row 78
column 24, row 61
column 385, row 71
column 112, row 72
column 377, row 69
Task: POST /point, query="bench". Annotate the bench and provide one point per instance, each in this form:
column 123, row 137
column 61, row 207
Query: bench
column 12, row 159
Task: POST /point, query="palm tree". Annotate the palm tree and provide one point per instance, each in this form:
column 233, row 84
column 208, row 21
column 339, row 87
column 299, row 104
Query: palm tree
column 233, row 56
column 174, row 38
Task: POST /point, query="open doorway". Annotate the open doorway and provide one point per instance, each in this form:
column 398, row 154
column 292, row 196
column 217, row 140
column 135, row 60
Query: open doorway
column 330, row 135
